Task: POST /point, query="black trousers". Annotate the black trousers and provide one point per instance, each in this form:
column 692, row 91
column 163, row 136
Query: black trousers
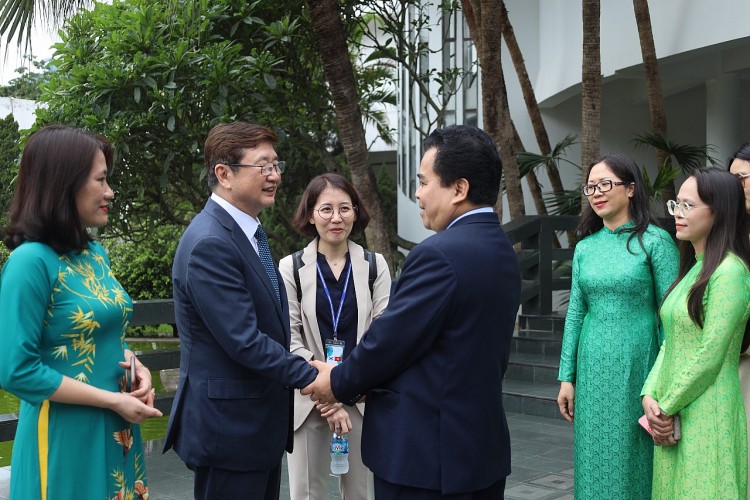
column 214, row 484
column 389, row 491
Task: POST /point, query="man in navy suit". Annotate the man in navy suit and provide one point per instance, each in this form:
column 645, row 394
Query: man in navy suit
column 432, row 364
column 231, row 417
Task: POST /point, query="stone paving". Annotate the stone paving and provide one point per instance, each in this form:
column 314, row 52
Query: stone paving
column 542, row 462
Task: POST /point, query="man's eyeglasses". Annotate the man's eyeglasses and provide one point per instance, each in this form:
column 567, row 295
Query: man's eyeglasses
column 345, row 211
column 683, row 208
column 603, row 187
column 741, row 177
column 266, row 168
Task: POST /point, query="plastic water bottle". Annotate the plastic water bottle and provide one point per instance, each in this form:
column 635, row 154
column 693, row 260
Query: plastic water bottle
column 339, row 454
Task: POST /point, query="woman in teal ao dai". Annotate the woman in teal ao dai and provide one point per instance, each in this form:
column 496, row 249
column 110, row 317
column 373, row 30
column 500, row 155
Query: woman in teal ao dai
column 62, row 332
column 696, row 374
column 621, row 270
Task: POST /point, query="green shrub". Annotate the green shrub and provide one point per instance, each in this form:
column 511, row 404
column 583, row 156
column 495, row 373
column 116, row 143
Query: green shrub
column 144, row 268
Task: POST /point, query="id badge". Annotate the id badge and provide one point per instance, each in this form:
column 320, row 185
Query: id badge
column 334, row 351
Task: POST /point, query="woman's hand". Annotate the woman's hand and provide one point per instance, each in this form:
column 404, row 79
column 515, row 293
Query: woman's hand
column 339, row 421
column 566, row 400
column 327, row 410
column 141, row 387
column 661, row 424
column 133, row 409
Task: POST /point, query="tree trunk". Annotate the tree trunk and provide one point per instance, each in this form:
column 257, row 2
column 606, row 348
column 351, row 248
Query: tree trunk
column 653, row 84
column 529, row 98
column 591, row 86
column 484, row 26
column 332, row 41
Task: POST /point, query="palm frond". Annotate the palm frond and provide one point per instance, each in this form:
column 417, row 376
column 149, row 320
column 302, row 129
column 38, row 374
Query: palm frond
column 689, row 158
column 17, row 17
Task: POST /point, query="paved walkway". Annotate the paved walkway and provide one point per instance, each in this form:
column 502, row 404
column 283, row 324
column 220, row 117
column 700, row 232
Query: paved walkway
column 542, row 458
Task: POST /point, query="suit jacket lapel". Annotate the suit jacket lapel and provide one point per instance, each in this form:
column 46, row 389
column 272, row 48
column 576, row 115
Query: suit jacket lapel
column 308, row 277
column 247, row 251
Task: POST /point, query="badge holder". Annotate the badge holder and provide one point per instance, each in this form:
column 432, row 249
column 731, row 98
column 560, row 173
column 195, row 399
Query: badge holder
column 334, row 351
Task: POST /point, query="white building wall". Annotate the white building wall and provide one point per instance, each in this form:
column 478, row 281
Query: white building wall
column 22, row 110
column 704, row 62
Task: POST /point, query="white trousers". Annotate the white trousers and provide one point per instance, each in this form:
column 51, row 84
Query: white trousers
column 310, row 463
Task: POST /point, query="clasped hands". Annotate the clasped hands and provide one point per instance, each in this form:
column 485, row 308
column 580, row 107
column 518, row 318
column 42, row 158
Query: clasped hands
column 661, row 424
column 320, row 392
column 138, row 404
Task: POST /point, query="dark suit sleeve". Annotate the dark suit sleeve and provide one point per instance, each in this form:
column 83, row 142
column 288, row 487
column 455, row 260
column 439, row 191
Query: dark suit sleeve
column 223, row 299
column 405, row 331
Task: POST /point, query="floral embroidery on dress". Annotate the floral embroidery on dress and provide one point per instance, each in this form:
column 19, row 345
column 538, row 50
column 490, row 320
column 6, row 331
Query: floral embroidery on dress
column 125, row 439
column 139, row 491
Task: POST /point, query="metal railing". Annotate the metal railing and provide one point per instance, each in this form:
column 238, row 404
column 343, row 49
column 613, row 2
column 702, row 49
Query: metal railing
column 538, row 259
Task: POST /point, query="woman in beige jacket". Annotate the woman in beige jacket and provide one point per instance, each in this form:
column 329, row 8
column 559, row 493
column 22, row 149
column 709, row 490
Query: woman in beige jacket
column 335, row 289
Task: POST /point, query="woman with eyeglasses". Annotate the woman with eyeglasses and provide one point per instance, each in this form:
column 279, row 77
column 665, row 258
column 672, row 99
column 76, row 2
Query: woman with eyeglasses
column 695, row 376
column 621, row 269
column 335, row 289
column 739, row 166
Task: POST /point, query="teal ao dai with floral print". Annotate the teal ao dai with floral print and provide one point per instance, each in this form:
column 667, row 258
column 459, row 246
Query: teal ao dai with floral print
column 67, row 315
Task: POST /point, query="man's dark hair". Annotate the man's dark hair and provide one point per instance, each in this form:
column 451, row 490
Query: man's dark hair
column 226, row 143
column 55, row 164
column 466, row 152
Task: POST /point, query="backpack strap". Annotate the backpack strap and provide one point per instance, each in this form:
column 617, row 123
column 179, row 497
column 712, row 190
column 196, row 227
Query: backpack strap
column 370, row 258
column 296, row 264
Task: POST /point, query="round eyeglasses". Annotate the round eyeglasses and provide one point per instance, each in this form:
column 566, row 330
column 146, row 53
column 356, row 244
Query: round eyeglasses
column 683, row 208
column 603, row 186
column 345, row 211
column 265, row 168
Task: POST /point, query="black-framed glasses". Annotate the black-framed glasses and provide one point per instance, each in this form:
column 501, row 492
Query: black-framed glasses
column 602, row 186
column 265, row 168
column 741, row 176
column 345, row 211
column 683, row 208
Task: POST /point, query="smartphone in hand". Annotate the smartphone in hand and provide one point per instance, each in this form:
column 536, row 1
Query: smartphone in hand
column 133, row 381
column 644, row 423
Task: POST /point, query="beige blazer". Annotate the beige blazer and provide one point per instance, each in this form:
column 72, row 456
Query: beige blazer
column 306, row 340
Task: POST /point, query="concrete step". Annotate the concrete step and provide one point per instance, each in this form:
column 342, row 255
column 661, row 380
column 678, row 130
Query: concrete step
column 531, row 398
column 536, row 342
column 541, row 368
column 551, row 323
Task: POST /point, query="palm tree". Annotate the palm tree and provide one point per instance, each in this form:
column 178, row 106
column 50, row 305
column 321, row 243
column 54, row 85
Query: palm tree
column 591, row 84
column 483, row 21
column 18, row 16
column 653, row 85
column 332, row 41
column 529, row 98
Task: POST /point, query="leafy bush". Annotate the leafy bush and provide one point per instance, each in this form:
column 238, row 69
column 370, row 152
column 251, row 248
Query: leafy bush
column 144, row 268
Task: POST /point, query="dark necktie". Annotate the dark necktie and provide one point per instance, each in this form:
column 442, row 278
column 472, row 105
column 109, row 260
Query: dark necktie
column 264, row 252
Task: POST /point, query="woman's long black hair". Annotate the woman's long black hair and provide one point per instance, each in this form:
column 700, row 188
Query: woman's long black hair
column 723, row 193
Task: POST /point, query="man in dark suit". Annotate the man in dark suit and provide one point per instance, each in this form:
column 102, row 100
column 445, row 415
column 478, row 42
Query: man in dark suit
column 231, row 417
column 432, row 364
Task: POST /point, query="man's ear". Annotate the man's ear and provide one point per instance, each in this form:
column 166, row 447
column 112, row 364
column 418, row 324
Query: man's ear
column 461, row 187
column 222, row 173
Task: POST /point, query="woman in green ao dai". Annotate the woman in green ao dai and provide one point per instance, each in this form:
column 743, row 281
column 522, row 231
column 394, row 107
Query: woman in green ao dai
column 696, row 374
column 621, row 269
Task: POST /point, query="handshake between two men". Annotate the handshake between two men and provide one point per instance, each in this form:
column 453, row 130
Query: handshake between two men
column 321, row 393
